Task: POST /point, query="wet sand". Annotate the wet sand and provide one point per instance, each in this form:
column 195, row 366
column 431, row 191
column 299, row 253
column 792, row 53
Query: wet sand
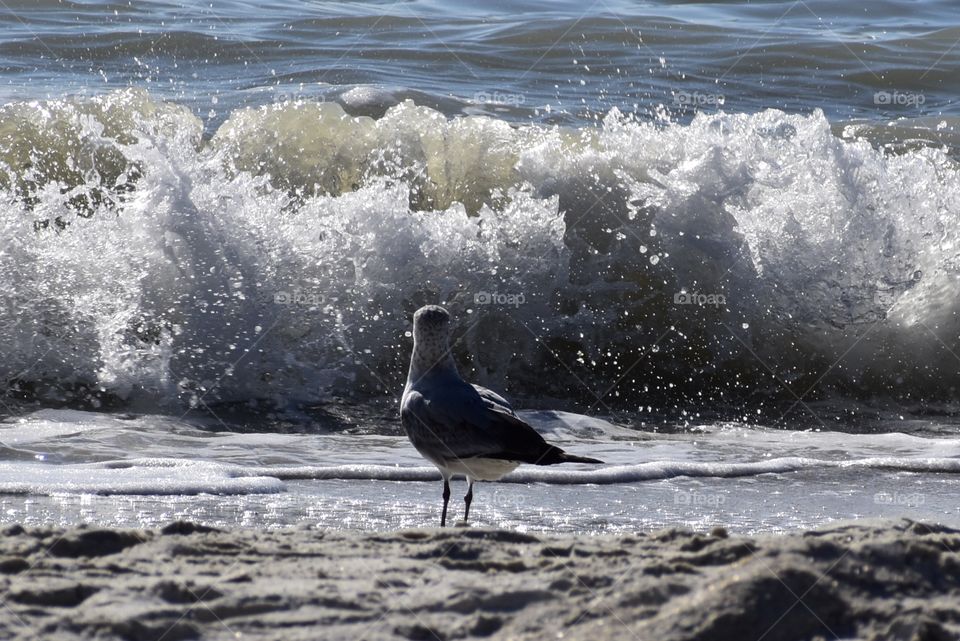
column 863, row 580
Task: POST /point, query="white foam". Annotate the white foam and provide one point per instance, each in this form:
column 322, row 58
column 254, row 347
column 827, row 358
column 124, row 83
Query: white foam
column 619, row 474
column 140, row 477
column 53, row 451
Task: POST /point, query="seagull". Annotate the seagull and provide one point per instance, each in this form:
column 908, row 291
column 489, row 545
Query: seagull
column 462, row 428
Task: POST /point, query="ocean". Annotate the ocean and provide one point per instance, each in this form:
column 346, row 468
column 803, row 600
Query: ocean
column 712, row 243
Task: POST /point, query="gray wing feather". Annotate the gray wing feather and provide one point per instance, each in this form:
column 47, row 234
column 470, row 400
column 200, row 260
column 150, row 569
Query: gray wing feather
column 466, row 421
column 494, row 401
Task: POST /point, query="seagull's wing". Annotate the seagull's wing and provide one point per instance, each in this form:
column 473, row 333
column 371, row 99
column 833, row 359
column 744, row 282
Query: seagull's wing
column 460, row 421
column 493, row 400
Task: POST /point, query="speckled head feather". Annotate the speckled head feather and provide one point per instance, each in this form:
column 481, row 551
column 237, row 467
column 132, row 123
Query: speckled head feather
column 431, row 341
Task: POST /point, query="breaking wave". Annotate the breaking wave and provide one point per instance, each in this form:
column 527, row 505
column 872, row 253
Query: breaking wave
column 278, row 261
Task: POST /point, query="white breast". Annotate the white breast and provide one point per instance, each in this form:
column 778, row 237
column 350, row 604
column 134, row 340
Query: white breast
column 481, row 469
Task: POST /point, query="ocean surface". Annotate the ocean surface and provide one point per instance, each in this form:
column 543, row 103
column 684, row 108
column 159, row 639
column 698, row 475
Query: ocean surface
column 713, row 243
column 65, row 467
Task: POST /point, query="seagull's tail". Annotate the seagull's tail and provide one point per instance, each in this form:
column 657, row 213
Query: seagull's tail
column 573, row 458
column 548, row 455
column 555, row 455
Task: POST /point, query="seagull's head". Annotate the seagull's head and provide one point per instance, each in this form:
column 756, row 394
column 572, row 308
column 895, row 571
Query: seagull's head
column 431, row 333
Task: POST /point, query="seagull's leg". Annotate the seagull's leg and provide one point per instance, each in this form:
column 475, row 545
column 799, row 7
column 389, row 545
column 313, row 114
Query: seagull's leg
column 446, row 499
column 468, row 498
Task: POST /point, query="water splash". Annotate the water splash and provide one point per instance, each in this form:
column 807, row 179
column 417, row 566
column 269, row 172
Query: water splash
column 279, row 261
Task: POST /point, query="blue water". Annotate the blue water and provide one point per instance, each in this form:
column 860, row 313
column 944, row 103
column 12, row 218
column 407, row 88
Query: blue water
column 546, row 61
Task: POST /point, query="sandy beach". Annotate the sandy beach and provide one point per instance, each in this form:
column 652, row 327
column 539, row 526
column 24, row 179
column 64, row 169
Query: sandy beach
column 863, row 580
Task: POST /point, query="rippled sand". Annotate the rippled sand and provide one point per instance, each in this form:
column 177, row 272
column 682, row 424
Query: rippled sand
column 869, row 580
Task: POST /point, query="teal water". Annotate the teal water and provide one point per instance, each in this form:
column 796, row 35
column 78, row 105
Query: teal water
column 554, row 61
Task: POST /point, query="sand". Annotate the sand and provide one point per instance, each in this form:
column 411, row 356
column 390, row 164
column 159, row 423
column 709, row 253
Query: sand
column 868, row 580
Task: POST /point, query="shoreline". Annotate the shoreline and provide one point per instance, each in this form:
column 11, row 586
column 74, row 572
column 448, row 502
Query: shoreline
column 858, row 579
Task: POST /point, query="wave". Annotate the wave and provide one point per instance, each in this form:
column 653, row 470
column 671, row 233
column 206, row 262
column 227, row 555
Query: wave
column 145, row 477
column 617, row 474
column 180, row 477
column 740, row 257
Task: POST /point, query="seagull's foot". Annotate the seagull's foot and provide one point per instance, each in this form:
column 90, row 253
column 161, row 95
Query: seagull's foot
column 461, row 524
